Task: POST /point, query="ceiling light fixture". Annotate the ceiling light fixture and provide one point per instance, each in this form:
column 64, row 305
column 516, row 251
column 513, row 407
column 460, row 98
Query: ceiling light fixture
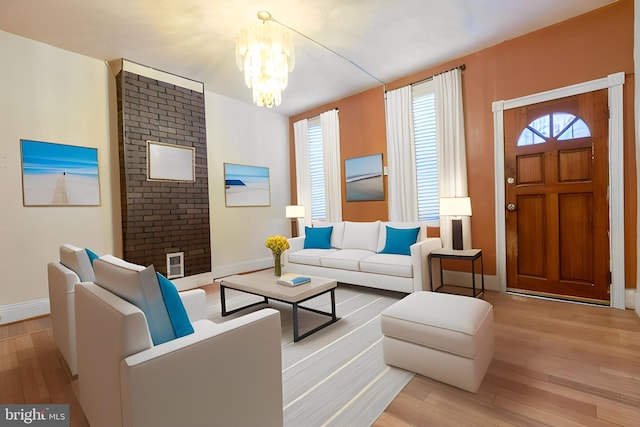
column 265, row 53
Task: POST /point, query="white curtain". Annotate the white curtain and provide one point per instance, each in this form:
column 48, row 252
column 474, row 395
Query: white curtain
column 331, row 152
column 303, row 179
column 401, row 162
column 452, row 158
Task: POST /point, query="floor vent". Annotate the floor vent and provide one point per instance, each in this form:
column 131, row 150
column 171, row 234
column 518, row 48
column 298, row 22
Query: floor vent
column 175, row 265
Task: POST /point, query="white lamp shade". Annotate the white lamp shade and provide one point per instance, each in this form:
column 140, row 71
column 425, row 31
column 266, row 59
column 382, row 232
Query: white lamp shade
column 455, row 206
column 294, row 211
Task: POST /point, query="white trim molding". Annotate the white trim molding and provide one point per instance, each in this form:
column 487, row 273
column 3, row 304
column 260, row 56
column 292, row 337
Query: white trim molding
column 24, row 310
column 614, row 83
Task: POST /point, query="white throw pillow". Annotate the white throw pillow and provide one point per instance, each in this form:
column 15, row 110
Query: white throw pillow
column 138, row 285
column 361, row 235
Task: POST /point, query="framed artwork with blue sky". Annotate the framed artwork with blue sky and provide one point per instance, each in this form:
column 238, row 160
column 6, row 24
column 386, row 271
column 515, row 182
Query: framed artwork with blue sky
column 246, row 185
column 59, row 175
column 364, row 178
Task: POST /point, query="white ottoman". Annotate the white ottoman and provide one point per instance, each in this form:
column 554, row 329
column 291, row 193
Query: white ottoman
column 445, row 337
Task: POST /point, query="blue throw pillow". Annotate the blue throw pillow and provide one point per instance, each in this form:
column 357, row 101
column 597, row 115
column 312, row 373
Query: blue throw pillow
column 177, row 313
column 317, row 237
column 399, row 240
column 92, row 255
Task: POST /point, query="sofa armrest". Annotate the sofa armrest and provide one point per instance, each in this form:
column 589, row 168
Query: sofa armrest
column 195, row 302
column 229, row 372
column 295, row 244
column 419, row 259
column 62, row 282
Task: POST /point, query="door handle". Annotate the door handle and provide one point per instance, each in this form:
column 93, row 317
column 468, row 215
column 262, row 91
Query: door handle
column 511, row 207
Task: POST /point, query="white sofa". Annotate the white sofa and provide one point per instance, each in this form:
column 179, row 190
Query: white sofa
column 356, row 256
column 219, row 374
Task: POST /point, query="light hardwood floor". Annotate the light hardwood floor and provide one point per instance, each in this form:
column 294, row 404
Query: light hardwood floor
column 555, row 363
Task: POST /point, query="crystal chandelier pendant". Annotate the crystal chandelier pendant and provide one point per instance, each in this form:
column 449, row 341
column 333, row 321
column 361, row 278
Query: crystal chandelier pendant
column 265, row 53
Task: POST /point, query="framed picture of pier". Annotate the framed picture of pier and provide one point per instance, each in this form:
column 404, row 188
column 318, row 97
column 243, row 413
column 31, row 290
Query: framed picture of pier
column 246, row 185
column 364, row 178
column 59, row 175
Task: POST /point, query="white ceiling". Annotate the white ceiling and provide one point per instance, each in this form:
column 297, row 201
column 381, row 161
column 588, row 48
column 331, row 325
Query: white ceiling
column 195, row 38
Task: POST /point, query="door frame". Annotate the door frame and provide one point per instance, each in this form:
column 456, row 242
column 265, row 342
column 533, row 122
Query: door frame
column 614, row 83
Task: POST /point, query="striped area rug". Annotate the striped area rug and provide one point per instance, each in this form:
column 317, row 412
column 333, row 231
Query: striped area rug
column 336, row 376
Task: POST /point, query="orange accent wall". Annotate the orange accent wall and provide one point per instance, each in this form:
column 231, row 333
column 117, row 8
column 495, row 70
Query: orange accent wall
column 587, row 47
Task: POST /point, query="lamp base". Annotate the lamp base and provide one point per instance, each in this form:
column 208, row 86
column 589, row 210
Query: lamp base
column 294, row 227
column 456, row 233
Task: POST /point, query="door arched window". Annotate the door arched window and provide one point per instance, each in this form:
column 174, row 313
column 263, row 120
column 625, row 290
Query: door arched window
column 558, row 126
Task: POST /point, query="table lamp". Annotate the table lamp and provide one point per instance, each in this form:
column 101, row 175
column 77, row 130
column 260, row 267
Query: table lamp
column 455, row 207
column 294, row 212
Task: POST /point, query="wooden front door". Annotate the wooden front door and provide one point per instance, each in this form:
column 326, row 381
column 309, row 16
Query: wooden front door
column 556, row 197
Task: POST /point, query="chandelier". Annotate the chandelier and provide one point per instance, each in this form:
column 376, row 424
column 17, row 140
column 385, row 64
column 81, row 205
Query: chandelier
column 265, row 53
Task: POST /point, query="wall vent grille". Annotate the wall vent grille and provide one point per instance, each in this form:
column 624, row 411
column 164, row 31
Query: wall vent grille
column 175, row 265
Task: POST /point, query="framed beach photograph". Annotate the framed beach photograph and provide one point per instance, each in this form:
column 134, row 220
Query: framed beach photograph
column 364, row 178
column 246, row 185
column 170, row 162
column 59, row 175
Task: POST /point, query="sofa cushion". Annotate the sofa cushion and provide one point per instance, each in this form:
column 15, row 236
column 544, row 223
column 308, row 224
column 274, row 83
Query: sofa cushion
column 317, row 237
column 337, row 233
column 399, row 240
column 345, row 259
column 139, row 286
column 361, row 235
column 389, row 264
column 77, row 259
column 309, row 256
column 382, row 238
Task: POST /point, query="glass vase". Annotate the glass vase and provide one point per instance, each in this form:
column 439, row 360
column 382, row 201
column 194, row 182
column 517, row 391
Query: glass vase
column 277, row 267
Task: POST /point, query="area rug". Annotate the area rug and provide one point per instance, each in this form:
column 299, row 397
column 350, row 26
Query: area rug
column 336, row 376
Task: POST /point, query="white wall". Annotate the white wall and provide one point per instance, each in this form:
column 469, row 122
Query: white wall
column 244, row 134
column 48, row 94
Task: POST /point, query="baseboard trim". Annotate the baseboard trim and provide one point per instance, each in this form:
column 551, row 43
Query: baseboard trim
column 630, row 299
column 228, row 270
column 11, row 313
column 461, row 278
column 192, row 282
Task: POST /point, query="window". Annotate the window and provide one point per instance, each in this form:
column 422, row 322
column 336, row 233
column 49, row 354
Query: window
column 316, row 170
column 424, row 128
column 561, row 126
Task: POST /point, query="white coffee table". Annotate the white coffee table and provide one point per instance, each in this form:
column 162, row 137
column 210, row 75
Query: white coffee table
column 263, row 283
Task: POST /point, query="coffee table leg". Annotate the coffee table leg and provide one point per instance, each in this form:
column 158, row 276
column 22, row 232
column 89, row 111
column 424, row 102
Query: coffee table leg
column 223, row 300
column 333, row 305
column 296, row 337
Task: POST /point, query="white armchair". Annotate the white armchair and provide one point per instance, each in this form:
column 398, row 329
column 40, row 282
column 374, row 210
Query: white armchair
column 222, row 374
column 74, row 267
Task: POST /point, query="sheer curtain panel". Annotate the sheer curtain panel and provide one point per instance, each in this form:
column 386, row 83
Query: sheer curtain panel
column 331, row 148
column 401, row 162
column 303, row 182
column 452, row 159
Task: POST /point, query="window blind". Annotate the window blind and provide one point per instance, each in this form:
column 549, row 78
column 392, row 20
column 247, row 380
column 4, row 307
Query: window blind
column 424, row 125
column 316, row 170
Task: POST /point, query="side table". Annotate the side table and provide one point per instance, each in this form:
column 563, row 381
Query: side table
column 465, row 254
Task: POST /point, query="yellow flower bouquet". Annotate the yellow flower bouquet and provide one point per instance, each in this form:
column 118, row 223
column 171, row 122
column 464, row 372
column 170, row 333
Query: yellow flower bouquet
column 277, row 244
